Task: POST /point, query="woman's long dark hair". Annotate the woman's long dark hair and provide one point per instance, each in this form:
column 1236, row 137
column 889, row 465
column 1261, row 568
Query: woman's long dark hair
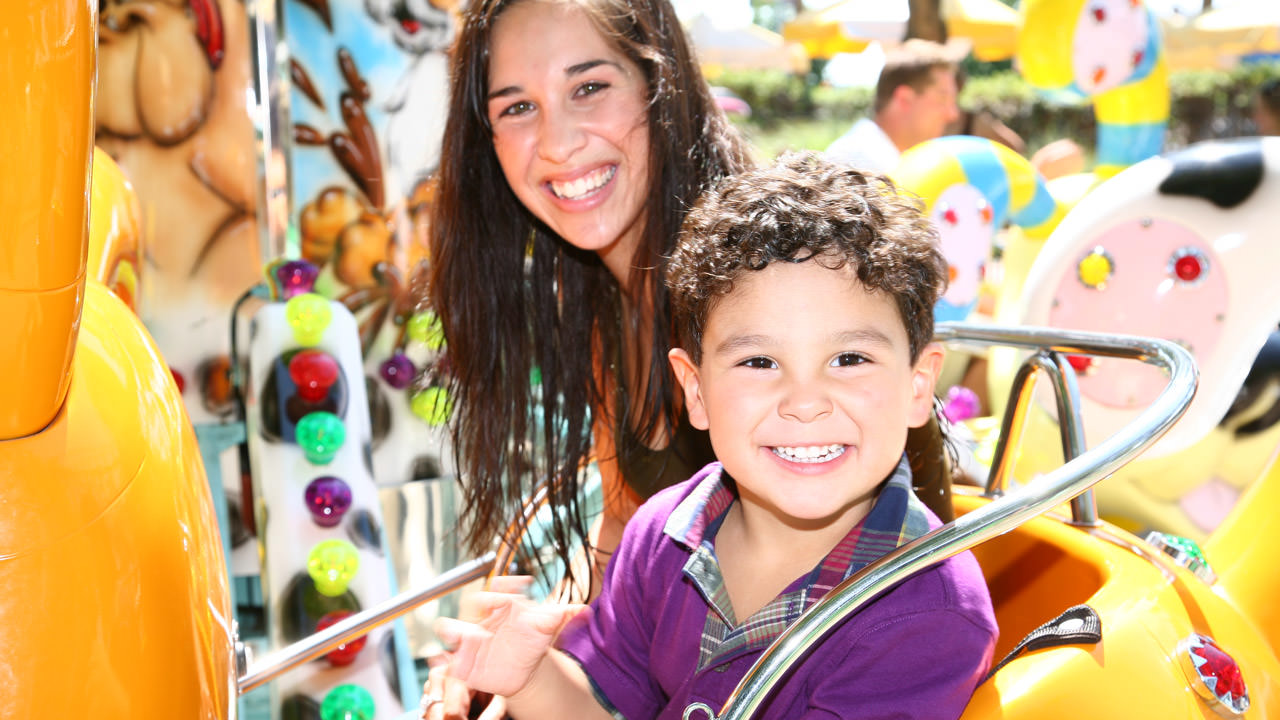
column 517, row 301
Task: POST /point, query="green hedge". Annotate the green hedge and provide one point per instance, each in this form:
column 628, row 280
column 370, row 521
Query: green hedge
column 1204, row 104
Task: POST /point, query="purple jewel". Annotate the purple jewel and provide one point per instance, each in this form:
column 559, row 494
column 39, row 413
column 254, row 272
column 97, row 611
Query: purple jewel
column 328, row 499
column 398, row 371
column 962, row 404
column 296, row 277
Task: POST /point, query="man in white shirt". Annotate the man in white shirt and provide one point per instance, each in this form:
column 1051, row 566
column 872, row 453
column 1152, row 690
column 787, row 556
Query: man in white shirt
column 915, row 100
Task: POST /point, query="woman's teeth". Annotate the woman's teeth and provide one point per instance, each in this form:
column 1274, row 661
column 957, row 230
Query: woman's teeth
column 810, row 454
column 582, row 186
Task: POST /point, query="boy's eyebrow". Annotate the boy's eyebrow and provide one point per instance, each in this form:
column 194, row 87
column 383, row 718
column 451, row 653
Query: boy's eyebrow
column 570, row 71
column 738, row 343
column 864, row 335
column 861, row 336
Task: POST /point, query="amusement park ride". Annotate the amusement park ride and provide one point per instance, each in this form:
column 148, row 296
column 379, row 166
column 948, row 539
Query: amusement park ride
column 117, row 601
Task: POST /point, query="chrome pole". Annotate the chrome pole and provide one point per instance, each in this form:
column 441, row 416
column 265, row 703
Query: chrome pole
column 353, row 626
column 999, row 516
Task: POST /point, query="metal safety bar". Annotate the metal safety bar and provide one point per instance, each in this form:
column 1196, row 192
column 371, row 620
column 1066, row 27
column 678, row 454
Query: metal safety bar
column 277, row 662
column 1002, row 514
column 1066, row 392
column 286, row 658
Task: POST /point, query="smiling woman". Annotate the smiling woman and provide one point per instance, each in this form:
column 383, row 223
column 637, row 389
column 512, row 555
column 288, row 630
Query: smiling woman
column 579, row 133
column 570, row 130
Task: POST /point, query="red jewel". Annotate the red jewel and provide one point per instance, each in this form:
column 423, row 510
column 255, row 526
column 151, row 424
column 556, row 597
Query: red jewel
column 345, row 653
column 1082, row 363
column 1100, row 14
column 986, row 212
column 411, row 26
column 950, row 216
column 1137, row 57
column 181, row 381
column 1187, row 268
column 314, row 372
column 1219, row 666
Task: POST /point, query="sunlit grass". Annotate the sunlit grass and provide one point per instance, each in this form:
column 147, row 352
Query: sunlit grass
column 800, row 134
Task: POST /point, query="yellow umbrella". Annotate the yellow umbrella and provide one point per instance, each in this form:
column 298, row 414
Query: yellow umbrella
column 1217, row 39
column 847, row 27
column 742, row 47
column 989, row 26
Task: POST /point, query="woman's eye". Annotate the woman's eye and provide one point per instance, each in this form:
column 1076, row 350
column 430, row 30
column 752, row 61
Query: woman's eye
column 849, row 360
column 759, row 363
column 518, row 108
column 591, row 87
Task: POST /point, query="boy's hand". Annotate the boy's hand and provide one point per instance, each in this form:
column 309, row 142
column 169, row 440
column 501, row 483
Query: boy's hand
column 499, row 653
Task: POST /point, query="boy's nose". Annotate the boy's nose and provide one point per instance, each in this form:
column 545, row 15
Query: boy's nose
column 559, row 136
column 805, row 402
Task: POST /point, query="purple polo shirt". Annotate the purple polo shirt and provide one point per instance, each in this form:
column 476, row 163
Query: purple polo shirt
column 662, row 634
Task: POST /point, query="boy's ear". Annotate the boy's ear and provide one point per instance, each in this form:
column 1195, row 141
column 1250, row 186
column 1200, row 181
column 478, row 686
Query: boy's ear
column 687, row 375
column 924, row 381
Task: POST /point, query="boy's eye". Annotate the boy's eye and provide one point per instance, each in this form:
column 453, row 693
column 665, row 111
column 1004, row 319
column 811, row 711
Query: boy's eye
column 849, row 360
column 759, row 363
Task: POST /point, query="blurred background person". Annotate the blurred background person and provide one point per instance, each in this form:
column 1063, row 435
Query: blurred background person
column 915, row 101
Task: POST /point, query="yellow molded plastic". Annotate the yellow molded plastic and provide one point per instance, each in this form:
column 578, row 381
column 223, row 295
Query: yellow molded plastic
column 46, row 111
column 117, row 602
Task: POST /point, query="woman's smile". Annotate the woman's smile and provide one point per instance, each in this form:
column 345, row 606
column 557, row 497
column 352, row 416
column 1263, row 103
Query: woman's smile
column 584, row 187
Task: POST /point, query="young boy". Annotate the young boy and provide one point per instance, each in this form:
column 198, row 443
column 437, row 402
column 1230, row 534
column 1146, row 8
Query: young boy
column 803, row 295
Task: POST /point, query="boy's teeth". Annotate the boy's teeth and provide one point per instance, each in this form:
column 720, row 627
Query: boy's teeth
column 583, row 185
column 810, row 453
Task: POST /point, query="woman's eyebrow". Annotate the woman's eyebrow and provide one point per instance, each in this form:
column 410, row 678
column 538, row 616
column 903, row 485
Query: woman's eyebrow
column 585, row 66
column 570, row 71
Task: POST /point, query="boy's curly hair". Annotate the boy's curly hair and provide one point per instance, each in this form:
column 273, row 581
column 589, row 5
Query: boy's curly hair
column 804, row 207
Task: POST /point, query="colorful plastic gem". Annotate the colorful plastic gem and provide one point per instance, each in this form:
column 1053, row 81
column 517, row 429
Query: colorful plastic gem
column 179, row 380
column 328, row 498
column 1188, row 264
column 1185, row 552
column 314, row 372
column 433, row 405
column 320, row 435
column 962, row 404
column 296, row 277
column 345, row 653
column 1083, row 364
column 425, row 327
column 309, row 315
column 398, row 371
column 1214, row 675
column 1095, row 269
column 332, row 564
column 347, row 702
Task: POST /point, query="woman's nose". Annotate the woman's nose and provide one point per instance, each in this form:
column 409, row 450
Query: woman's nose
column 560, row 135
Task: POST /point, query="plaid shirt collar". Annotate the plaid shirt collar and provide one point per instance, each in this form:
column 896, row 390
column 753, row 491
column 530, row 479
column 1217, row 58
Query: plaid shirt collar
column 896, row 517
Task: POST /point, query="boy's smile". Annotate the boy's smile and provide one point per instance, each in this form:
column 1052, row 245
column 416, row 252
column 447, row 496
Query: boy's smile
column 807, row 387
